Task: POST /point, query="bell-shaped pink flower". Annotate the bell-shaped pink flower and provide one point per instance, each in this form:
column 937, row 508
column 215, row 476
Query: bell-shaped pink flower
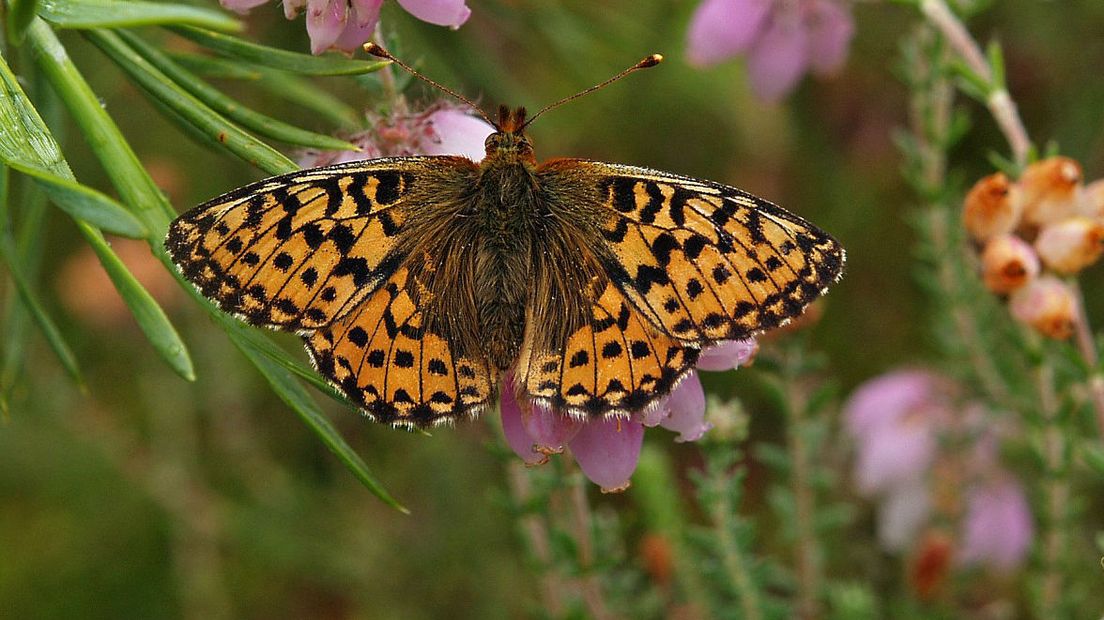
column 346, row 25
column 830, row 31
column 782, row 40
column 451, row 13
column 720, row 29
column 607, row 451
column 998, row 527
column 514, row 430
column 779, row 58
column 728, row 355
column 241, row 6
column 686, row 410
column 455, row 132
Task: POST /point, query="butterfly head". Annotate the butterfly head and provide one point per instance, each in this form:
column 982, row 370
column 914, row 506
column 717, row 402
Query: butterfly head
column 509, row 142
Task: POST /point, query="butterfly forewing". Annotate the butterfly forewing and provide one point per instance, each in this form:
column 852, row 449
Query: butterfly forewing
column 686, row 263
column 301, row 250
column 706, row 262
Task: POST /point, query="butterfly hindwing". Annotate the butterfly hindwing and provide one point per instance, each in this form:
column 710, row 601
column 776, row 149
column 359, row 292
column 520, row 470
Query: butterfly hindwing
column 616, row 363
column 386, row 358
column 298, row 251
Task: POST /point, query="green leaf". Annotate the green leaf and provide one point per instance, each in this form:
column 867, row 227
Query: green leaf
column 222, row 104
column 304, row 93
column 996, row 64
column 38, row 312
column 215, row 68
column 89, row 114
column 130, row 13
column 135, row 187
column 278, row 58
column 84, row 203
column 292, row 393
column 150, row 317
column 20, row 14
column 180, row 101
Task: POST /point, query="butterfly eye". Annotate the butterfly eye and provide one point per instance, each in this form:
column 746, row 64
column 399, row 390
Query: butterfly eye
column 491, row 141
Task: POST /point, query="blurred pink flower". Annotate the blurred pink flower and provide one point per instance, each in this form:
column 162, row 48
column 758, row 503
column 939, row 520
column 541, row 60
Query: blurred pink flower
column 607, row 449
column 347, row 24
column 894, row 420
column 998, row 528
column 441, row 129
column 782, row 39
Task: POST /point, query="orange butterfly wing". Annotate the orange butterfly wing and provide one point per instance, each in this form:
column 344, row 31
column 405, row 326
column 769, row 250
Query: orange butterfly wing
column 321, row 252
column 297, row 251
column 686, row 263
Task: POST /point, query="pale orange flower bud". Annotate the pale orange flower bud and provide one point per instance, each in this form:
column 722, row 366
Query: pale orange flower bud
column 1050, row 190
column 1092, row 200
column 991, row 207
column 1007, row 263
column 1047, row 304
column 1072, row 244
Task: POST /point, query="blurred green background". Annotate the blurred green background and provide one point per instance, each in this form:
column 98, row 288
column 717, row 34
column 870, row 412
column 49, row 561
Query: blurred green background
column 150, row 497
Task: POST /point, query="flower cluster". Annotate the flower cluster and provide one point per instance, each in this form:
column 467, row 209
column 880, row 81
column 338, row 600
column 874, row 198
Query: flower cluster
column 781, row 38
column 923, row 457
column 1034, row 231
column 347, row 24
column 441, row 129
column 607, row 449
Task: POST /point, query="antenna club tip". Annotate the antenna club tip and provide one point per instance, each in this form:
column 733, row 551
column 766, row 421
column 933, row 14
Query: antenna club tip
column 651, row 61
column 377, row 51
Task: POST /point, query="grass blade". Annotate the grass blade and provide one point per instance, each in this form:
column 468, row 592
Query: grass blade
column 84, row 203
column 215, row 68
column 158, row 85
column 20, row 14
column 130, row 13
column 277, row 58
column 224, row 105
column 305, row 94
column 84, row 106
column 38, row 312
column 293, row 394
column 136, row 187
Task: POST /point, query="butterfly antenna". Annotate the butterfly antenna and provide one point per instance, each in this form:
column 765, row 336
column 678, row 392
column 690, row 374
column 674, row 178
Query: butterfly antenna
column 650, row 61
column 379, row 52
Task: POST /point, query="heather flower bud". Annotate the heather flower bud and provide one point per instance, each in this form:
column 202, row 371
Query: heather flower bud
column 1007, row 263
column 1072, row 244
column 1050, row 190
column 1092, row 199
column 1046, row 304
column 992, row 207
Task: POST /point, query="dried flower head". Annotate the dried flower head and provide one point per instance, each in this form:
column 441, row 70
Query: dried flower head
column 1070, row 245
column 992, row 207
column 1007, row 263
column 1046, row 304
column 1050, row 190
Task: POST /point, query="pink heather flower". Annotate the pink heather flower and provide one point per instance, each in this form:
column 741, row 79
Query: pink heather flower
column 441, row 129
column 607, row 450
column 782, row 39
column 902, row 514
column 347, row 24
column 894, row 420
column 998, row 528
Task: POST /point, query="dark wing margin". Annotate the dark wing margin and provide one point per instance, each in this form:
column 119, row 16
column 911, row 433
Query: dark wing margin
column 298, row 251
column 706, row 262
column 386, row 359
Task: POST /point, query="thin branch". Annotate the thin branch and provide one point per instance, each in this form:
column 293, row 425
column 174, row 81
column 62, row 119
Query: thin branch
column 1086, row 345
column 999, row 102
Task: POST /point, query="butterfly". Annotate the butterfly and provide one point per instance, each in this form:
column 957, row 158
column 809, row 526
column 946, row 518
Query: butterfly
column 417, row 283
